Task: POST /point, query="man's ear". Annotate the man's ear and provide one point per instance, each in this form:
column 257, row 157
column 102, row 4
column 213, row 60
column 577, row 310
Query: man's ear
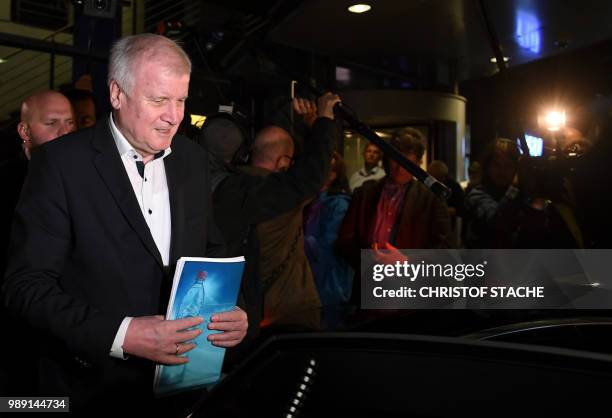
column 281, row 164
column 278, row 164
column 24, row 131
column 115, row 95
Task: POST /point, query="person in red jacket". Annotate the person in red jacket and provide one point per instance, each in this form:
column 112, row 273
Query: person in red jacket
column 396, row 212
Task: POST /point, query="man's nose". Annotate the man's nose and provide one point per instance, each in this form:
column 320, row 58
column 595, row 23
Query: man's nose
column 65, row 128
column 172, row 113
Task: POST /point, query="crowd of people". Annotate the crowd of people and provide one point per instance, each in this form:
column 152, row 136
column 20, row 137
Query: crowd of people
column 104, row 206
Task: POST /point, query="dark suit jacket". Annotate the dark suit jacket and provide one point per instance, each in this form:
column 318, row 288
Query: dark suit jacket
column 12, row 175
column 82, row 258
column 18, row 375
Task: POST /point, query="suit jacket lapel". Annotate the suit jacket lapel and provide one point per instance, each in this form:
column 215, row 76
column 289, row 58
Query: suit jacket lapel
column 369, row 218
column 176, row 174
column 407, row 222
column 110, row 167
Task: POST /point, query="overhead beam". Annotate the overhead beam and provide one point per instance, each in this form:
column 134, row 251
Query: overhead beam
column 22, row 42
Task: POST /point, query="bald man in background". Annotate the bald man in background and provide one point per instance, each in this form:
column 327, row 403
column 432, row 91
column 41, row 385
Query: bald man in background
column 281, row 188
column 272, row 150
column 45, row 115
column 290, row 294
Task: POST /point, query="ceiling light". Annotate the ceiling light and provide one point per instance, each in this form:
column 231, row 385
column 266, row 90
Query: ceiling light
column 359, row 8
column 494, row 60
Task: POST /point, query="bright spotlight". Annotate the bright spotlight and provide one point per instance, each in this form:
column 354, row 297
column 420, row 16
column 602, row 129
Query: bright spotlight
column 359, row 8
column 553, row 120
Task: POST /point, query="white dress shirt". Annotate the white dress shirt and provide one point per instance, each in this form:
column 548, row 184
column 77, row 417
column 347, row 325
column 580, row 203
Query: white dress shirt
column 363, row 175
column 151, row 190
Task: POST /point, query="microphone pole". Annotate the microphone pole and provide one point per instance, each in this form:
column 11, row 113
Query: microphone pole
column 439, row 189
column 364, row 130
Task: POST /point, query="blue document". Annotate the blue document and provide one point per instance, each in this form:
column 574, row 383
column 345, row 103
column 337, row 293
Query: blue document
column 201, row 287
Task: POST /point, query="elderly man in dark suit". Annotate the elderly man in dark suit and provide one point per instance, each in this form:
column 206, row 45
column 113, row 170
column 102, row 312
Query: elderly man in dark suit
column 103, row 217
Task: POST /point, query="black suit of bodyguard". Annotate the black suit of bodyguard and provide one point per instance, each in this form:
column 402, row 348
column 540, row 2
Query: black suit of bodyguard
column 83, row 258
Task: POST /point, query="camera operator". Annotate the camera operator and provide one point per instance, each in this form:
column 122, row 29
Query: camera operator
column 484, row 201
column 543, row 216
column 523, row 204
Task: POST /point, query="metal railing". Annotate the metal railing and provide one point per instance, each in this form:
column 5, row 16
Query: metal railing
column 25, row 71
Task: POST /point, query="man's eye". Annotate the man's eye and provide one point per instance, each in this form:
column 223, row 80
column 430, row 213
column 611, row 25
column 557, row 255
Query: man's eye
column 50, row 123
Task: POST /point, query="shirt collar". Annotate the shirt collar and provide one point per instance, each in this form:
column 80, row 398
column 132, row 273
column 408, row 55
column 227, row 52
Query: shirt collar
column 365, row 173
column 391, row 187
column 125, row 148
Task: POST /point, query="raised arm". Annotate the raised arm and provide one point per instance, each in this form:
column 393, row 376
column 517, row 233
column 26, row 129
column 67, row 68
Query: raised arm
column 256, row 199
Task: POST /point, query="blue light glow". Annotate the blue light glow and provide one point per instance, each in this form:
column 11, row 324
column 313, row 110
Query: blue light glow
column 528, row 31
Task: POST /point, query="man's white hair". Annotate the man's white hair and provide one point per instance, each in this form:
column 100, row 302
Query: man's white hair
column 126, row 51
